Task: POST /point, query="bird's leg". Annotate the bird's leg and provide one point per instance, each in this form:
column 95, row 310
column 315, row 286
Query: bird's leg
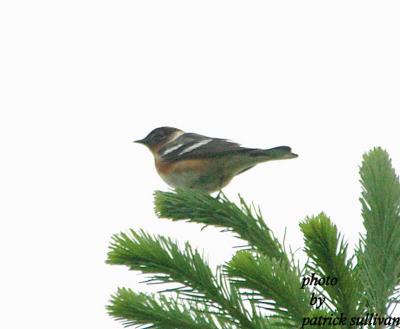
column 221, row 182
column 205, row 226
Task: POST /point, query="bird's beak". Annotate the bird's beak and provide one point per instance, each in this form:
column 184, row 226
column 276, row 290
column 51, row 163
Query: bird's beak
column 140, row 141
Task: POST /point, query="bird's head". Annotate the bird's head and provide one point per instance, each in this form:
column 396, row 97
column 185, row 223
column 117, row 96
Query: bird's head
column 159, row 136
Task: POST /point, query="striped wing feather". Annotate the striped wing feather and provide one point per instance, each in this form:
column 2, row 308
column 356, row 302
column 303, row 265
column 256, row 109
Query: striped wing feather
column 190, row 146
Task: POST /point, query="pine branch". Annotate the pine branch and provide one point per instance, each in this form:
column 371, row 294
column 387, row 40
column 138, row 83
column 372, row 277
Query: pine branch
column 200, row 207
column 274, row 284
column 163, row 313
column 379, row 255
column 264, row 277
column 162, row 258
column 328, row 252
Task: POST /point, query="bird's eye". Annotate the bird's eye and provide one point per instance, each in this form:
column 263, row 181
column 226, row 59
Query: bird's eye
column 160, row 135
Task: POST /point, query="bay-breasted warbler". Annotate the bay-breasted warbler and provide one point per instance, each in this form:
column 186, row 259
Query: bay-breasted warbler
column 188, row 160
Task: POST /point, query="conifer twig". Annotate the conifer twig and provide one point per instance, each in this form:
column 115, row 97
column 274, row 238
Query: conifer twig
column 328, row 252
column 163, row 313
column 162, row 258
column 379, row 255
column 274, row 284
column 200, row 207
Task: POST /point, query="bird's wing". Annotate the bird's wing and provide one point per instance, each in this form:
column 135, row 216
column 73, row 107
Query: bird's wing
column 189, row 146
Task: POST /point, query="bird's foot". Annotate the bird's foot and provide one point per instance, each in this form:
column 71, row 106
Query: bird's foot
column 219, row 195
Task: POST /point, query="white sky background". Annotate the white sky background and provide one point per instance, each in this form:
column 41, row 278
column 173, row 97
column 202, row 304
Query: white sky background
column 80, row 80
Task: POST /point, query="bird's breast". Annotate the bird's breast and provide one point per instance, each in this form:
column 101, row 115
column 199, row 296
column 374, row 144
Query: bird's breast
column 184, row 173
column 195, row 165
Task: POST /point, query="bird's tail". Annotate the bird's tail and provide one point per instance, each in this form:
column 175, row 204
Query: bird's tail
column 276, row 153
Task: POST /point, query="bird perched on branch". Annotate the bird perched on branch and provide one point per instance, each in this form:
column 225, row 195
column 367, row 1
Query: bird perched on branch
column 188, row 160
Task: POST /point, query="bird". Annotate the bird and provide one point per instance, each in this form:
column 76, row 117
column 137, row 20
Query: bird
column 193, row 161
